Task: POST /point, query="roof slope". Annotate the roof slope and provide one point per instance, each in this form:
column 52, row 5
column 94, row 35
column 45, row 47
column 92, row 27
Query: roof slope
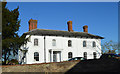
column 46, row 32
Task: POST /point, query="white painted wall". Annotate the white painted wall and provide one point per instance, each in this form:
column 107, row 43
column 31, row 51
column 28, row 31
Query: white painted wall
column 61, row 44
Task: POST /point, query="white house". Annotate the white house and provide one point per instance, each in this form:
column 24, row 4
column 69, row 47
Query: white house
column 54, row 45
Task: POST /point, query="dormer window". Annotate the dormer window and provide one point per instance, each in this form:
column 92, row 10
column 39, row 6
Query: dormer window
column 53, row 42
column 35, row 42
column 84, row 43
column 69, row 43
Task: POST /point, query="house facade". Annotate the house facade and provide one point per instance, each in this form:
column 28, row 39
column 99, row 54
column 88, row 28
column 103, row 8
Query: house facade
column 45, row 45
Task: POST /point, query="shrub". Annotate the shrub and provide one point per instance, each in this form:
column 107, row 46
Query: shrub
column 13, row 62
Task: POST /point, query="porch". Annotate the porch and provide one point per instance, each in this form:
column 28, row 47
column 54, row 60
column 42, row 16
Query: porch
column 55, row 55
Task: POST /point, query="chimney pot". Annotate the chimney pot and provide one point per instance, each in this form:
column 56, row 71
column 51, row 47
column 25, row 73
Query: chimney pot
column 70, row 26
column 85, row 28
column 32, row 24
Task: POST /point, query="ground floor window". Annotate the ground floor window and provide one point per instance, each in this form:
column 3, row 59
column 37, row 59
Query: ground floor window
column 94, row 54
column 36, row 56
column 85, row 55
column 69, row 55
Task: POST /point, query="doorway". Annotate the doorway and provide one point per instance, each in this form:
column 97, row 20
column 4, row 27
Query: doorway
column 56, row 56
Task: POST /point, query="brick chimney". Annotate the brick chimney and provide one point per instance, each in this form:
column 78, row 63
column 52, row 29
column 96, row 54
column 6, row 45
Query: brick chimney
column 32, row 24
column 85, row 28
column 70, row 26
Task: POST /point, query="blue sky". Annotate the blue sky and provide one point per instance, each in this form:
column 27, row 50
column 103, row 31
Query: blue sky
column 101, row 17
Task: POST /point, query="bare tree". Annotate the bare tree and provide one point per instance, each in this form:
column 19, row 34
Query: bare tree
column 110, row 47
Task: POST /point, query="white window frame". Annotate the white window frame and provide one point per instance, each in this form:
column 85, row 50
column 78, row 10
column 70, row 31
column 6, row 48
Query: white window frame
column 35, row 57
column 35, row 42
column 53, row 42
column 70, row 55
column 93, row 44
column 69, row 43
column 84, row 43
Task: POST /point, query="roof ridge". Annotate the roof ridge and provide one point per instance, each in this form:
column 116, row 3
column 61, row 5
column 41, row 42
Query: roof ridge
column 61, row 30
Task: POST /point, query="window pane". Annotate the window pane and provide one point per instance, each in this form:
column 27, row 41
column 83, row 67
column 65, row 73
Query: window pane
column 94, row 44
column 94, row 54
column 84, row 43
column 36, row 56
column 54, row 42
column 70, row 55
column 85, row 55
column 36, row 42
column 69, row 43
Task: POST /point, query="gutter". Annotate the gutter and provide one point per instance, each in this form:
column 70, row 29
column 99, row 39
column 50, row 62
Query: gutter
column 44, row 50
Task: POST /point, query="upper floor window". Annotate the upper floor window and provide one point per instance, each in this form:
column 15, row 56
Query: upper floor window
column 53, row 42
column 94, row 44
column 84, row 43
column 36, row 56
column 36, row 42
column 69, row 55
column 69, row 43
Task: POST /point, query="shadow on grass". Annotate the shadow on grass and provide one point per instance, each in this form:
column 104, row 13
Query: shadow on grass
column 97, row 65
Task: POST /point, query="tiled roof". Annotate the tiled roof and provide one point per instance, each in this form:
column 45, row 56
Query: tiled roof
column 46, row 32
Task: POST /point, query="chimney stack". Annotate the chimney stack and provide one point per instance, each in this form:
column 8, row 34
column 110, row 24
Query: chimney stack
column 70, row 26
column 85, row 28
column 32, row 24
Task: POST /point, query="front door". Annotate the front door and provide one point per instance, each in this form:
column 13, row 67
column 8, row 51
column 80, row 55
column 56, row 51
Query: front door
column 54, row 56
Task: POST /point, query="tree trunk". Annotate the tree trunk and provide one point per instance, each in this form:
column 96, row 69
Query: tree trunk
column 5, row 59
